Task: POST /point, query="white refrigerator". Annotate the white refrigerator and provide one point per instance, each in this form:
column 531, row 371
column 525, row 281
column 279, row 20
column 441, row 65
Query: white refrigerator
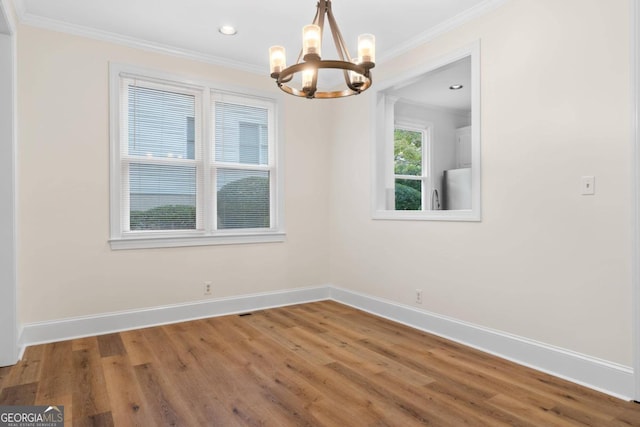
column 456, row 189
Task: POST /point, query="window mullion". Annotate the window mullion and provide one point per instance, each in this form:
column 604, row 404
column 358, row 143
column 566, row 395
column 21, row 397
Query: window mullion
column 211, row 163
column 125, row 198
column 241, row 166
column 272, row 154
column 426, row 190
column 413, row 177
column 158, row 161
column 207, row 149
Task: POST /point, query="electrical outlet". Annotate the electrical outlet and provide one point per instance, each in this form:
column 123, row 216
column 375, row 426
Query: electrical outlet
column 419, row 296
column 207, row 288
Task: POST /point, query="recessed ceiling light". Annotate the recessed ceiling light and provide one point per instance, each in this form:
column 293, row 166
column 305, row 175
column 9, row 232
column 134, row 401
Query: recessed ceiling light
column 228, row 30
column 455, row 87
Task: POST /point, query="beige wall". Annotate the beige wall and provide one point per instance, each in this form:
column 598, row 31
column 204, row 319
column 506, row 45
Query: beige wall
column 66, row 267
column 545, row 262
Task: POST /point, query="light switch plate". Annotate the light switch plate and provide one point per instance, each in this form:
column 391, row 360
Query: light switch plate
column 587, row 185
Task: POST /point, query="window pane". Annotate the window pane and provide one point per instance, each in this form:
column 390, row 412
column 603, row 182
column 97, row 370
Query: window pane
column 408, row 195
column 243, row 199
column 241, row 134
column 407, row 152
column 161, row 123
column 162, row 197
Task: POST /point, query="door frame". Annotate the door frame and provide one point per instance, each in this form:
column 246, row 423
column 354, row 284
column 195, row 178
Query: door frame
column 9, row 347
column 635, row 188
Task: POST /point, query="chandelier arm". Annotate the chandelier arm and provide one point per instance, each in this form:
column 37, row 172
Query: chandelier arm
column 319, row 21
column 287, row 79
column 314, row 85
column 319, row 95
column 338, row 40
column 317, row 17
column 347, row 81
column 335, row 64
column 322, row 8
column 287, row 74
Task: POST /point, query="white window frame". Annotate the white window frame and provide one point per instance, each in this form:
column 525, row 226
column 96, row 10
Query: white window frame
column 425, row 177
column 206, row 198
column 270, row 167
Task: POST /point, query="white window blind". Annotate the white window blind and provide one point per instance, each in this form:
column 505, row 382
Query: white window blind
column 242, row 163
column 161, row 157
column 171, row 183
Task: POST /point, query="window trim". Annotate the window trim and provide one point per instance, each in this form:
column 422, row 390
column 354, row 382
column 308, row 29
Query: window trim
column 208, row 236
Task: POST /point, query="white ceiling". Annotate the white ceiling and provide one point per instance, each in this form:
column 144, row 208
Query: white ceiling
column 433, row 88
column 190, row 27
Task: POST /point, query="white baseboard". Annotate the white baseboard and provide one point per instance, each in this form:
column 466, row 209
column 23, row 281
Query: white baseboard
column 608, row 377
column 78, row 327
column 611, row 378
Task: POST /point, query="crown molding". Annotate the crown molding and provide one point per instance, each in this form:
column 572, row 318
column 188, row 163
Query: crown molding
column 20, row 8
column 26, row 18
column 9, row 11
column 442, row 28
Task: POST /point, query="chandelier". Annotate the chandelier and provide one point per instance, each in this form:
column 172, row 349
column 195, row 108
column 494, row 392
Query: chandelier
column 356, row 71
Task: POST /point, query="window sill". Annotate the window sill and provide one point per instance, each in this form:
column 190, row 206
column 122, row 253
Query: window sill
column 148, row 242
column 438, row 215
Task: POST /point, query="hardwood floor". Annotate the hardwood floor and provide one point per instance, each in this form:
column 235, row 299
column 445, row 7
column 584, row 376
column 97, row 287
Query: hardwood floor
column 318, row 364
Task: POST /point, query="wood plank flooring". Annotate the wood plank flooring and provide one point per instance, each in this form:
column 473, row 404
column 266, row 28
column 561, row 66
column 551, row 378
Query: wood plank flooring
column 318, row 364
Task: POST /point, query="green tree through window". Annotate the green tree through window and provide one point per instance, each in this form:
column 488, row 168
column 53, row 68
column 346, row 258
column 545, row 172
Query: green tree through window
column 407, row 154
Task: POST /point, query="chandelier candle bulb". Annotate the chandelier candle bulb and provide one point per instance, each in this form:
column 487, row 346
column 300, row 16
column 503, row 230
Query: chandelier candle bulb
column 311, row 35
column 367, row 48
column 277, row 60
column 357, row 79
column 307, row 79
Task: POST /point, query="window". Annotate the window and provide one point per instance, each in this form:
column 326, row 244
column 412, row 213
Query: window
column 190, row 164
column 411, row 170
column 241, row 163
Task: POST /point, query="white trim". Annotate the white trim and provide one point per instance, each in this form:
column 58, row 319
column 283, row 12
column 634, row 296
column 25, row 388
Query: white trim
column 77, row 327
column 19, row 7
column 635, row 188
column 466, row 215
column 608, row 377
column 442, row 28
column 132, row 42
column 9, row 349
column 176, row 242
column 9, row 14
column 51, row 24
column 602, row 375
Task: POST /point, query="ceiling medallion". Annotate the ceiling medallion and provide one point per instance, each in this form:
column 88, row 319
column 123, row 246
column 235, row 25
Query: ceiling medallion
column 356, row 71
